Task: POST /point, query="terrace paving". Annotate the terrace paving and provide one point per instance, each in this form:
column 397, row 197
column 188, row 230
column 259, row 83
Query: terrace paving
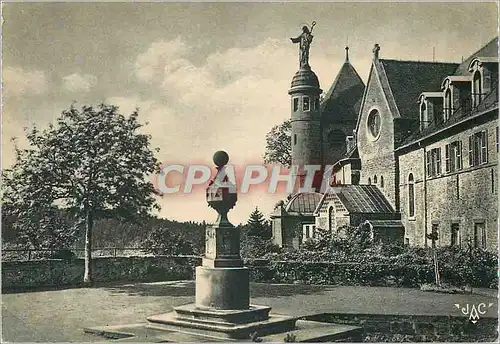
column 61, row 315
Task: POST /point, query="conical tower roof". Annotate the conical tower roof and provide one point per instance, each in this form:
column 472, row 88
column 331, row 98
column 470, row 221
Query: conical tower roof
column 343, row 100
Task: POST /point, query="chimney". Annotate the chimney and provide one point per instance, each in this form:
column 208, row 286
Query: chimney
column 376, row 50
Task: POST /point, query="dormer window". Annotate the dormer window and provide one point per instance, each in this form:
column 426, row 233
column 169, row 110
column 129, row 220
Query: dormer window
column 423, row 115
column 431, row 104
column 448, row 107
column 477, row 89
column 484, row 77
column 306, row 104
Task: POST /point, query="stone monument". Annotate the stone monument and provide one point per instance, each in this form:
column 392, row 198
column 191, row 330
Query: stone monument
column 222, row 306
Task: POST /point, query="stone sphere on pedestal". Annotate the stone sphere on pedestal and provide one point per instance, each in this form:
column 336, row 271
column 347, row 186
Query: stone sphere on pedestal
column 220, row 158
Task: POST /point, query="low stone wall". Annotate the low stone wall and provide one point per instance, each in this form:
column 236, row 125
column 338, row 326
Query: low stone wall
column 416, row 328
column 57, row 273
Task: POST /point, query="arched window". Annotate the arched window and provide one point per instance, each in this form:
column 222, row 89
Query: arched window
column 369, row 181
column 411, row 196
column 375, row 180
column 381, row 181
column 447, row 105
column 477, row 88
column 424, row 121
column 330, row 218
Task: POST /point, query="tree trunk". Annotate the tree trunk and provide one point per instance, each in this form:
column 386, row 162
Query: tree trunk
column 89, row 223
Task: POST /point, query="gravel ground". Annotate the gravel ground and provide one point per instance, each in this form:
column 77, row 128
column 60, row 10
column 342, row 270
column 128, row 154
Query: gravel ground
column 60, row 315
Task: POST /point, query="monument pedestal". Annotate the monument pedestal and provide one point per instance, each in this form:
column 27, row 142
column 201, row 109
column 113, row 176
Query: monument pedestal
column 222, row 303
column 222, row 288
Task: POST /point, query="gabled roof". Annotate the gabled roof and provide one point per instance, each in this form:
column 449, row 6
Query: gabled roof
column 489, row 50
column 366, row 199
column 408, row 79
column 343, row 99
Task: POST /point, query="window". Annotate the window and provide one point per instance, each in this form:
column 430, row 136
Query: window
column 435, row 229
column 308, row 231
column 453, row 156
column 305, row 104
column 455, row 235
column 375, row 180
column 478, row 148
column 411, row 196
column 330, row 218
column 369, row 181
column 447, row 105
column 295, row 104
column 315, row 103
column 381, row 181
column 476, row 89
column 373, row 123
column 423, row 115
column 433, row 162
column 479, row 235
column 294, row 139
column 407, row 241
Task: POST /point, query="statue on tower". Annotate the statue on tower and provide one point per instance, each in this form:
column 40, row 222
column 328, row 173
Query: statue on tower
column 304, row 40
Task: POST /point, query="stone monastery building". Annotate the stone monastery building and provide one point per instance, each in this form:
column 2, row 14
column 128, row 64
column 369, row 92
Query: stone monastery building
column 414, row 151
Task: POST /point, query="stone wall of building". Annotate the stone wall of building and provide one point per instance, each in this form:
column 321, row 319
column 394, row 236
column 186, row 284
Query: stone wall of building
column 413, row 163
column 377, row 154
column 462, row 198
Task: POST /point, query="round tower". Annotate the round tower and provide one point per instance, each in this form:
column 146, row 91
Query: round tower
column 305, row 118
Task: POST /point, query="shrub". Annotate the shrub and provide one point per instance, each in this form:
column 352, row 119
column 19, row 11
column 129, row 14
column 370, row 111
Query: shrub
column 162, row 240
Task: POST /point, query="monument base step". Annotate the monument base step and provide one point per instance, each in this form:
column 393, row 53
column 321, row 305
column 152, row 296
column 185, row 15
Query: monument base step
column 304, row 331
column 273, row 324
column 231, row 317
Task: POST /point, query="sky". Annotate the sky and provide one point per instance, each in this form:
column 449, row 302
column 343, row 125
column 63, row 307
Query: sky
column 208, row 76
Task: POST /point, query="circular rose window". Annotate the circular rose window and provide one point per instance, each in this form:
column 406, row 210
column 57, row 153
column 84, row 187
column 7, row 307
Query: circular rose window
column 374, row 123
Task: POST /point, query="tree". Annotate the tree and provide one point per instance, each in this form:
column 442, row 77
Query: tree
column 257, row 225
column 91, row 162
column 279, row 145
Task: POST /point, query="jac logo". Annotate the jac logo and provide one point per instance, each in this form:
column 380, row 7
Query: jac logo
column 473, row 311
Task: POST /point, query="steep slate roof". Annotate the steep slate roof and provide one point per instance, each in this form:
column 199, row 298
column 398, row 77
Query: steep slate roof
column 343, row 99
column 489, row 102
column 489, row 50
column 408, row 79
column 360, row 199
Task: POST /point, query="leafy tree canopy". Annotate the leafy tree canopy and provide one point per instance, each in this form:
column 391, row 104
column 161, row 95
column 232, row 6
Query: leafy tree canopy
column 279, row 145
column 90, row 161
